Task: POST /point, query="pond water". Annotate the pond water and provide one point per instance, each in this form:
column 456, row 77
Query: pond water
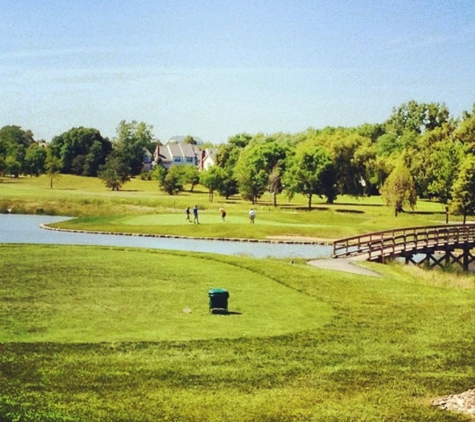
column 16, row 228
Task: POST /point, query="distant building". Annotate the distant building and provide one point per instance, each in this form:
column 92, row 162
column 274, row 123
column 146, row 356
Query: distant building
column 207, row 158
column 147, row 160
column 175, row 153
column 198, row 140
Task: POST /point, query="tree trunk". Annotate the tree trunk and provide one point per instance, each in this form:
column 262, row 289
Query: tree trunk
column 309, row 202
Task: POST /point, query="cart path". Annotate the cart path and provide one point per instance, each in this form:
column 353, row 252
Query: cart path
column 347, row 265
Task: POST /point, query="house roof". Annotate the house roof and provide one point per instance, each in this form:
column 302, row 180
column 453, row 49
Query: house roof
column 171, row 150
column 180, row 138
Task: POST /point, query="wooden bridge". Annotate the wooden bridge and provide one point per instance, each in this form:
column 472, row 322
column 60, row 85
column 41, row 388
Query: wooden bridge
column 431, row 246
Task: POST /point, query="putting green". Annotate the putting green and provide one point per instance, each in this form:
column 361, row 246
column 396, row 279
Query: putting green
column 204, row 218
column 94, row 294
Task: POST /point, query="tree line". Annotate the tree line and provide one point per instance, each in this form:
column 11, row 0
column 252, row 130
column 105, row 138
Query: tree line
column 420, row 151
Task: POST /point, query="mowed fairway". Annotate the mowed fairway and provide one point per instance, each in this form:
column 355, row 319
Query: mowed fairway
column 94, row 334
column 90, row 294
column 100, row 334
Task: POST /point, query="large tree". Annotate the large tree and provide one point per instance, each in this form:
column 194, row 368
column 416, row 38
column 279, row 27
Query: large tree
column 256, row 163
column 310, row 172
column 114, row 173
column 351, row 154
column 417, row 117
column 53, row 167
column 81, row 150
column 399, row 189
column 213, row 179
column 14, row 142
column 226, row 158
column 35, row 160
column 465, row 132
column 190, row 175
column 170, row 180
column 463, row 191
column 132, row 142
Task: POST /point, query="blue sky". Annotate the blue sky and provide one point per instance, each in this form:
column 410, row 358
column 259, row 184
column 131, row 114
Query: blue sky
column 215, row 68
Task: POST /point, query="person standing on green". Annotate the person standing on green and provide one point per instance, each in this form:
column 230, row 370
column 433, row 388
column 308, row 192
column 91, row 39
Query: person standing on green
column 252, row 216
column 223, row 214
column 195, row 215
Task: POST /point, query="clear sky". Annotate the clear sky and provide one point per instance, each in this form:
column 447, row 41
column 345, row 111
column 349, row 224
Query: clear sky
column 215, row 68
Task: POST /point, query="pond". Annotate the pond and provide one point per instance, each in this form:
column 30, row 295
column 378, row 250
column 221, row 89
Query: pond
column 15, row 228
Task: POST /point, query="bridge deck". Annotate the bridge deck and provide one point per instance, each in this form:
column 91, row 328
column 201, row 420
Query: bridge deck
column 407, row 242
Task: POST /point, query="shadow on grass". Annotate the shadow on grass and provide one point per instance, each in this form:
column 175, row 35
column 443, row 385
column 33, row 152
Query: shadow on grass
column 350, row 211
column 219, row 311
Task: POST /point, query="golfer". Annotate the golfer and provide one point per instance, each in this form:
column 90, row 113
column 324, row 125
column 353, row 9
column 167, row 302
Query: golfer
column 223, row 214
column 252, row 216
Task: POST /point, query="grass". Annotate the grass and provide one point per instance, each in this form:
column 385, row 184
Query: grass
column 99, row 334
column 48, row 299
column 142, row 208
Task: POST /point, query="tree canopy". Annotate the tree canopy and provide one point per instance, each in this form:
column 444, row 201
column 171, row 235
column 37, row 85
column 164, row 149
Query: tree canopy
column 81, row 150
column 419, row 151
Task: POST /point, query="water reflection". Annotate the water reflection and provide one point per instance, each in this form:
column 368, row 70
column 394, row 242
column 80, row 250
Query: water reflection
column 26, row 229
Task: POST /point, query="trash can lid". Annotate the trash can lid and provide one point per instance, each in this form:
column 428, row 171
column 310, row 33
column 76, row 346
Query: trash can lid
column 217, row 291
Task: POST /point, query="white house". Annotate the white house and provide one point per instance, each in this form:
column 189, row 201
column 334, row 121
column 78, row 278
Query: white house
column 207, row 158
column 175, row 153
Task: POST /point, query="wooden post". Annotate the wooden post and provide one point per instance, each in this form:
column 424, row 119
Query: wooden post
column 466, row 261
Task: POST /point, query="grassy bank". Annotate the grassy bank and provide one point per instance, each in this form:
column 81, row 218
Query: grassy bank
column 141, row 208
column 99, row 334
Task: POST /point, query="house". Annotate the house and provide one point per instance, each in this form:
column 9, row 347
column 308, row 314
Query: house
column 147, row 160
column 175, row 153
column 207, row 158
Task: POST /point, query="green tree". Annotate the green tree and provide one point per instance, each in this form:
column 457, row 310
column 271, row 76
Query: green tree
column 81, row 150
column 465, row 132
column 310, row 172
column 212, row 179
column 12, row 165
column 417, row 118
column 399, row 189
column 349, row 164
column 191, row 176
column 226, row 158
column 463, row 191
column 133, row 139
column 53, row 167
column 14, row 141
column 170, row 180
column 255, row 165
column 274, row 182
column 190, row 140
column 229, row 186
column 35, row 160
column 114, row 173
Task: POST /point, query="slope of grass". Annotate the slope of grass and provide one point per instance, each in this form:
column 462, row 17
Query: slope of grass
column 90, row 294
column 142, row 208
column 354, row 349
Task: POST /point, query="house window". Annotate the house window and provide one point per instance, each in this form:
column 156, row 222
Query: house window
column 177, row 159
column 189, row 159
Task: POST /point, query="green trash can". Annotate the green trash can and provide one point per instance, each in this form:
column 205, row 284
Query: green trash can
column 218, row 299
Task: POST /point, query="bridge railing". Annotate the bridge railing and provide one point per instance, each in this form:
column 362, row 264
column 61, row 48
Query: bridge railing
column 396, row 241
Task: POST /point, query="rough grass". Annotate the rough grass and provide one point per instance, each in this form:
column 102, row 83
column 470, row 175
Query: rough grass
column 142, row 208
column 364, row 349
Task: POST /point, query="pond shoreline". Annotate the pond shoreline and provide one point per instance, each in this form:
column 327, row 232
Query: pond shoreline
column 275, row 240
